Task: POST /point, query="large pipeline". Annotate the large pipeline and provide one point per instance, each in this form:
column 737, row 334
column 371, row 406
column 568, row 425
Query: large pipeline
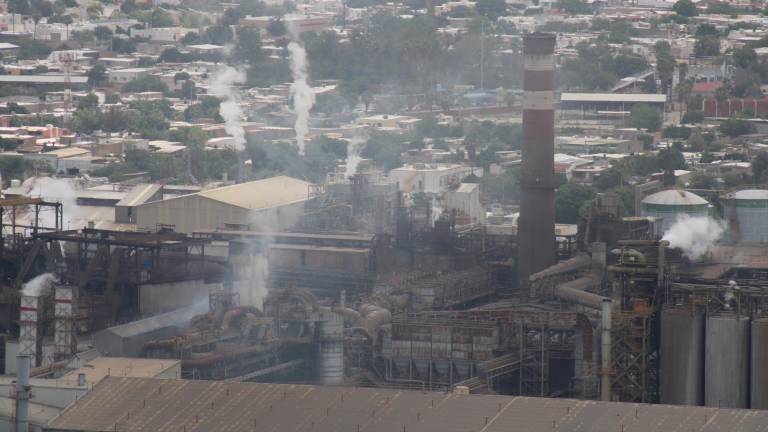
column 575, row 291
column 211, row 359
column 572, row 264
column 236, row 312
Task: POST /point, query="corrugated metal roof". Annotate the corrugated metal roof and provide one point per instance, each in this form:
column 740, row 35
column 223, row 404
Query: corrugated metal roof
column 613, row 97
column 175, row 318
column 255, row 195
column 140, row 194
column 676, row 197
column 260, row 194
column 143, row 404
column 100, row 367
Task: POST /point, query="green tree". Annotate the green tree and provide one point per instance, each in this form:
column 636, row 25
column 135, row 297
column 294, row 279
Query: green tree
column 760, row 167
column 670, row 159
column 15, row 167
column 646, row 117
column 734, row 127
column 573, row 7
column 685, row 8
column 89, row 101
column 707, row 46
column 102, row 33
column 220, row 34
column 706, row 30
column 665, row 64
column 123, row 45
column 384, row 149
column 87, row 120
column 693, row 116
column 248, row 47
column 276, row 28
column 491, row 9
column 702, row 180
column 571, row 202
column 173, row 55
column 20, row 7
column 146, row 84
column 84, row 37
column 608, row 179
column 97, row 75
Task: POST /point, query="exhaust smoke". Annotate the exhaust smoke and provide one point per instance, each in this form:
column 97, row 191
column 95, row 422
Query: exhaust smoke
column 222, row 86
column 302, row 94
column 696, row 236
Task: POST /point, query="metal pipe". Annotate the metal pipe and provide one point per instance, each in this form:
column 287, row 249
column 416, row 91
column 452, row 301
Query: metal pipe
column 22, row 393
column 575, row 291
column 661, row 263
column 605, row 378
column 569, row 265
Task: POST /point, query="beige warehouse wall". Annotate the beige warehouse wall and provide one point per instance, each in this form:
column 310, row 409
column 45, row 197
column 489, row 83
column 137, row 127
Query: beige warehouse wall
column 188, row 214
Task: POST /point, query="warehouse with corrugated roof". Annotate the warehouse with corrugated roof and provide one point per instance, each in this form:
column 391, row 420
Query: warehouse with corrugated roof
column 271, row 204
column 146, row 404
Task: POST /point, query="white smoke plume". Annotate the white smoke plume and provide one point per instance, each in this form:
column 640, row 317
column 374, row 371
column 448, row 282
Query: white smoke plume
column 696, row 236
column 64, row 191
column 39, row 285
column 437, row 210
column 354, row 148
column 255, row 277
column 302, row 94
column 222, row 86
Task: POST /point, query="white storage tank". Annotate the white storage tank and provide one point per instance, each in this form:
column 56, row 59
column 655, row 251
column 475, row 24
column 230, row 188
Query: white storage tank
column 669, row 204
column 746, row 214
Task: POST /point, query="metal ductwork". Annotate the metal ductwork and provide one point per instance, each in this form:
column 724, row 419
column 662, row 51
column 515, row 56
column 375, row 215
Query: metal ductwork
column 576, row 291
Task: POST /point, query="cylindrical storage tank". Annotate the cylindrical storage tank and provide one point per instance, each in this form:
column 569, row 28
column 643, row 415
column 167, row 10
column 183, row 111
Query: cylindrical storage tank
column 330, row 349
column 746, row 214
column 682, row 357
column 758, row 380
column 669, row 204
column 726, row 376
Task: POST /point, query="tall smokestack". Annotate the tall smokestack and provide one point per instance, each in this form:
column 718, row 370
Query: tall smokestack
column 536, row 226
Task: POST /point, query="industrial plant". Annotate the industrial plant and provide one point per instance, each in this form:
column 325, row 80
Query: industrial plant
column 385, row 299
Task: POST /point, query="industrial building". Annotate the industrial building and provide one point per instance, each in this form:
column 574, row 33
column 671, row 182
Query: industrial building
column 269, row 204
column 134, row 404
column 390, row 301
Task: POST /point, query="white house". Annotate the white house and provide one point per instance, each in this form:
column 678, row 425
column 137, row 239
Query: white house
column 431, row 178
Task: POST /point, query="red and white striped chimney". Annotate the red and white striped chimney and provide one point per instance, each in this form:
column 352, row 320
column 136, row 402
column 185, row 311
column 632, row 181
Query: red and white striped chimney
column 536, row 226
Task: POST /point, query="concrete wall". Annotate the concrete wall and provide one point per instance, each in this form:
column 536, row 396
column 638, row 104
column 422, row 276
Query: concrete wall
column 158, row 298
column 467, row 206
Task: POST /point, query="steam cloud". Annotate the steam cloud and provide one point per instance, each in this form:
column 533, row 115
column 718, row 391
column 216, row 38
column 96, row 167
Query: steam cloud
column 61, row 190
column 354, row 148
column 302, row 94
column 694, row 235
column 222, row 86
column 39, row 285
